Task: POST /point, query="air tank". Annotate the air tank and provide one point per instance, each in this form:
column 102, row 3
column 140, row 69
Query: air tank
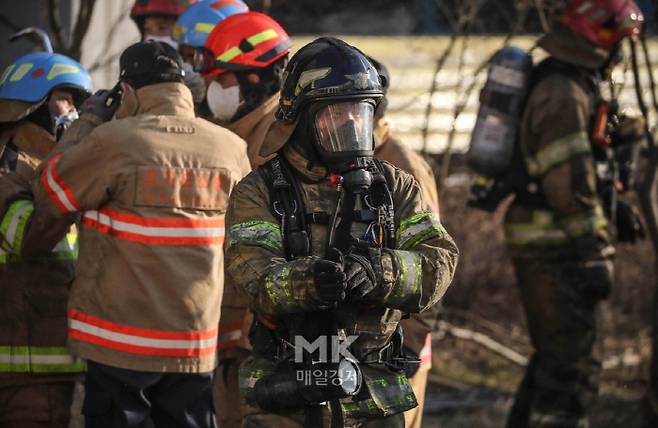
column 501, row 104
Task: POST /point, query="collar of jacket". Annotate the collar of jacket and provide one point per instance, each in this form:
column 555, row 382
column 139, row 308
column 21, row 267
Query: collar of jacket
column 246, row 124
column 29, row 138
column 163, row 99
column 567, row 46
column 381, row 133
column 295, row 157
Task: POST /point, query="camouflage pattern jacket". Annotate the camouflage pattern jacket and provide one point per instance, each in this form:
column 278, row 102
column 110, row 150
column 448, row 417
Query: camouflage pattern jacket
column 388, row 148
column 415, row 274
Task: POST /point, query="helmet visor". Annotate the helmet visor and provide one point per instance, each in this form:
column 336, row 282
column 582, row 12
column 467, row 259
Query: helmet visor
column 345, row 127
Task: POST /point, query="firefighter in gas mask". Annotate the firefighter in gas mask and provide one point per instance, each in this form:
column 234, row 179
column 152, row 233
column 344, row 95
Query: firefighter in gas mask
column 332, row 248
column 557, row 228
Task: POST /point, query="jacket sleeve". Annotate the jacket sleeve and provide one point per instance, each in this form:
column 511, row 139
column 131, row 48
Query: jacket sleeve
column 71, row 180
column 560, row 156
column 418, row 272
column 255, row 257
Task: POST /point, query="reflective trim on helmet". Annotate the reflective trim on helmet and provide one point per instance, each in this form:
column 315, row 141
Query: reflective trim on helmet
column 39, row 359
column 260, row 233
column 203, row 27
column 418, row 228
column 410, row 268
column 13, row 224
column 20, row 72
column 557, row 152
column 6, row 73
column 275, row 51
column 59, row 69
column 254, row 40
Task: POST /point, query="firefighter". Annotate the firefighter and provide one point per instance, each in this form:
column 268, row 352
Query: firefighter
column 190, row 34
column 245, row 57
column 556, row 228
column 418, row 327
column 331, row 247
column 155, row 19
column 37, row 373
column 242, row 95
column 195, row 24
column 152, row 187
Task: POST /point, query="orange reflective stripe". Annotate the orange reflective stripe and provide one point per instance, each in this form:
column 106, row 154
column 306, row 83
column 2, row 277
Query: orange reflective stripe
column 142, row 341
column 156, row 231
column 59, row 192
column 426, row 353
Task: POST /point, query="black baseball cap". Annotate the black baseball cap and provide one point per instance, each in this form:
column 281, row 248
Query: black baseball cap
column 150, row 62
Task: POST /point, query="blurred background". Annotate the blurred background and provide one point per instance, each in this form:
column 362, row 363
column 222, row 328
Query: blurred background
column 436, row 52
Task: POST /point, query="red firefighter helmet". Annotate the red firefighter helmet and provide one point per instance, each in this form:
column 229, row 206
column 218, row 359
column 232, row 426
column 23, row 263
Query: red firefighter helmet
column 604, row 22
column 143, row 8
column 244, row 41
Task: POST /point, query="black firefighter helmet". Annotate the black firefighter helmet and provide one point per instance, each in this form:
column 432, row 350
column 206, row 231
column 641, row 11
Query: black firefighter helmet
column 329, row 96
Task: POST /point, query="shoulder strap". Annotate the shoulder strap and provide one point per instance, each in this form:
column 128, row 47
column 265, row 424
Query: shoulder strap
column 287, row 205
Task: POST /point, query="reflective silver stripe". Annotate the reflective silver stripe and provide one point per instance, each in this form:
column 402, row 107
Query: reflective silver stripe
column 409, row 284
column 130, row 339
column 14, row 222
column 38, row 359
column 261, row 233
column 418, row 228
column 557, row 152
column 585, row 223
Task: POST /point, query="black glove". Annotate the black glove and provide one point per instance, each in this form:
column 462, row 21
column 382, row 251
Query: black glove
column 629, row 225
column 102, row 104
column 329, row 278
column 363, row 269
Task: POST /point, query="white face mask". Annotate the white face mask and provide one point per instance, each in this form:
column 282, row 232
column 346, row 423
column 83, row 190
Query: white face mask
column 223, row 103
column 164, row 39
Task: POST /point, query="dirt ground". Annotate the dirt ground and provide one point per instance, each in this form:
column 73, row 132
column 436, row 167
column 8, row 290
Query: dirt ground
column 473, row 385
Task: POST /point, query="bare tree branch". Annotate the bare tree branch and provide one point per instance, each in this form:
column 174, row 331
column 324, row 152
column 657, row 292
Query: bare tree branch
column 56, row 24
column 4, row 20
column 81, row 26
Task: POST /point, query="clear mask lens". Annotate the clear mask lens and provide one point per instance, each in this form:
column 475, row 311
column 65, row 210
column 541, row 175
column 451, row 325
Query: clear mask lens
column 345, row 127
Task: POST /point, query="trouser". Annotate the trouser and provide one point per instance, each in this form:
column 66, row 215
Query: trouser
column 560, row 299
column 36, row 405
column 414, row 418
column 226, row 393
column 124, row 398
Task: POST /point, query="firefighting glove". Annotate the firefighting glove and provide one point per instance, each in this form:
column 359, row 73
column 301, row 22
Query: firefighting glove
column 329, row 278
column 363, row 269
column 102, row 104
column 629, row 225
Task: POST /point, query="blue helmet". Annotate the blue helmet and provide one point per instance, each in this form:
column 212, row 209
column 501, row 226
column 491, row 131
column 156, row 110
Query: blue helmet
column 194, row 25
column 31, row 77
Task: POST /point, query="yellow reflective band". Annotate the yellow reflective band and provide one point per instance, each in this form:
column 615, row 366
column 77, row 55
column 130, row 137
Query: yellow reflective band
column 262, row 37
column 229, row 54
column 59, row 69
column 6, row 73
column 178, row 31
column 204, row 27
column 557, row 152
column 584, row 223
column 39, row 359
column 20, row 72
column 253, row 41
column 13, row 224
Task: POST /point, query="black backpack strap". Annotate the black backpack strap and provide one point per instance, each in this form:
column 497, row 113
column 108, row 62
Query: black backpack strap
column 287, row 205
